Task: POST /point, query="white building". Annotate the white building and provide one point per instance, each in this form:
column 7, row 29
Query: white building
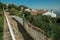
column 52, row 14
column 34, row 10
column 27, row 10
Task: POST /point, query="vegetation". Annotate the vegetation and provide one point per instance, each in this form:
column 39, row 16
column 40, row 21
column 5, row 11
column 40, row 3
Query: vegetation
column 13, row 11
column 46, row 23
column 24, row 7
column 2, row 5
column 1, row 25
column 11, row 6
column 26, row 13
column 16, row 7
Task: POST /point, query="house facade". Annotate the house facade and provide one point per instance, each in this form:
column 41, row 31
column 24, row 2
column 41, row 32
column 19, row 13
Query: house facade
column 52, row 14
column 43, row 12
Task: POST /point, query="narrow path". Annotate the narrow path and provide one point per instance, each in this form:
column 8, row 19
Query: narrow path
column 18, row 30
column 14, row 27
column 7, row 35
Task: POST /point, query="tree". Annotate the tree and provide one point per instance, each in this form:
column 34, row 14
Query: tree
column 26, row 13
column 12, row 6
column 13, row 11
column 24, row 7
column 30, row 18
column 2, row 5
column 46, row 23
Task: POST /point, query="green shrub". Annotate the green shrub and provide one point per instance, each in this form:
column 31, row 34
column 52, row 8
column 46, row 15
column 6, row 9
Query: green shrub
column 46, row 23
column 1, row 25
column 13, row 11
column 30, row 18
column 26, row 13
column 1, row 35
column 1, row 13
column 20, row 14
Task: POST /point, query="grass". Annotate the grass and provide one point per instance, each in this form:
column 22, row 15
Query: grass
column 1, row 25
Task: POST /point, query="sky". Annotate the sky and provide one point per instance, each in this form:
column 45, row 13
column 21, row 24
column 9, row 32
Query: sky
column 36, row 4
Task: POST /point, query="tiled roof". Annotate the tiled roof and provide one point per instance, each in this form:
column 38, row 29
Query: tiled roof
column 41, row 11
column 38, row 12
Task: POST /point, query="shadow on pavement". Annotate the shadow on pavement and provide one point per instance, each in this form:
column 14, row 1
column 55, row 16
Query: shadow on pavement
column 23, row 31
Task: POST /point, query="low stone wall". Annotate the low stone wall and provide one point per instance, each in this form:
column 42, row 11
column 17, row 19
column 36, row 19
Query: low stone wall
column 20, row 20
column 35, row 32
